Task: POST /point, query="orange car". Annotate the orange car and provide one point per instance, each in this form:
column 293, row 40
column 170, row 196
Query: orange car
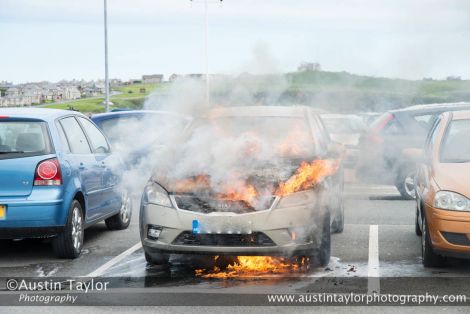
column 443, row 190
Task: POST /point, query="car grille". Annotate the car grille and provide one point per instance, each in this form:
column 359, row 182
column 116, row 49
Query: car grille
column 253, row 239
column 456, row 238
column 207, row 205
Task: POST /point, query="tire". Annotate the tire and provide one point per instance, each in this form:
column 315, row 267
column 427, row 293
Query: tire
column 430, row 259
column 417, row 227
column 69, row 243
column 338, row 223
column 121, row 220
column 157, row 259
column 322, row 255
column 405, row 183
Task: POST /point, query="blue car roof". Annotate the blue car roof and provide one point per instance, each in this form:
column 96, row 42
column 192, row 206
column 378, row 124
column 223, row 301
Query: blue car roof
column 36, row 113
column 134, row 113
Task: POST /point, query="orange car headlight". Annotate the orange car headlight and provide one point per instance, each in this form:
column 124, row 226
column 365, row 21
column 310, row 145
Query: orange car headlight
column 451, row 201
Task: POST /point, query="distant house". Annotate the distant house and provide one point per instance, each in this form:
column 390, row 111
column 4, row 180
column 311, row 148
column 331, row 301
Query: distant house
column 453, row 78
column 152, row 79
column 309, row 67
column 12, row 92
column 195, row 76
column 173, row 77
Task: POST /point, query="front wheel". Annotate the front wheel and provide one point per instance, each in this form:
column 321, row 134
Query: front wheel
column 121, row 220
column 338, row 223
column 157, row 259
column 417, row 227
column 321, row 257
column 69, row 243
column 430, row 259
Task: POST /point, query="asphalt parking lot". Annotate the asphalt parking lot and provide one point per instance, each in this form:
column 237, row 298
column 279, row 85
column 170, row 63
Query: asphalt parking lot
column 378, row 241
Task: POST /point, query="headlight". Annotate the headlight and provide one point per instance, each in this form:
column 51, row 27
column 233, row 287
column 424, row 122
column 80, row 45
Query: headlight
column 451, row 201
column 155, row 194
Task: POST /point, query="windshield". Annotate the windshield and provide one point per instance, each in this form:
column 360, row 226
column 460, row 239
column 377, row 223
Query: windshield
column 455, row 147
column 343, row 124
column 23, row 139
column 284, row 137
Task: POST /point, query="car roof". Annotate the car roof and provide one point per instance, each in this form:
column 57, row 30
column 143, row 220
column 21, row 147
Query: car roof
column 340, row 115
column 130, row 113
column 36, row 113
column 461, row 115
column 432, row 107
column 260, row 111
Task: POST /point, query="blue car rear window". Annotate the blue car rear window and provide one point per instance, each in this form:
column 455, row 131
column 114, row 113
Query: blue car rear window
column 24, row 139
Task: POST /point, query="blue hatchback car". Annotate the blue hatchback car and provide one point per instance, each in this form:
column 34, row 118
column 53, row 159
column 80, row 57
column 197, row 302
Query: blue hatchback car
column 57, row 177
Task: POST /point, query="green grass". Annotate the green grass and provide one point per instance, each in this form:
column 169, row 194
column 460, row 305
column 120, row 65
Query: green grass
column 133, row 100
column 336, row 91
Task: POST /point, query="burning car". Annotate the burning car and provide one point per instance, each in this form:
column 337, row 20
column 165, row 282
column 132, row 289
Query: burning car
column 251, row 181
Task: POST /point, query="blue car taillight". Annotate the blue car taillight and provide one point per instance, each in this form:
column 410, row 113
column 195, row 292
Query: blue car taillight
column 48, row 173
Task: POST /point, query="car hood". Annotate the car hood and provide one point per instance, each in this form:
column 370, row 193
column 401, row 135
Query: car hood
column 260, row 177
column 453, row 177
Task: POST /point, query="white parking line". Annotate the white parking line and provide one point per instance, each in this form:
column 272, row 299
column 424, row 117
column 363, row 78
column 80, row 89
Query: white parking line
column 373, row 274
column 101, row 270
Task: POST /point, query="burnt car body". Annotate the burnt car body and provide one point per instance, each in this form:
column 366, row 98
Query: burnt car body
column 193, row 216
column 381, row 159
column 443, row 190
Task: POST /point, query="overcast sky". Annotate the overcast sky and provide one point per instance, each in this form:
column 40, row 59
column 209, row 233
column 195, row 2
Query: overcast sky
column 63, row 39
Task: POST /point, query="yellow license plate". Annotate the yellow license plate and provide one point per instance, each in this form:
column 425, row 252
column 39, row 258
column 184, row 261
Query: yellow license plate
column 3, row 212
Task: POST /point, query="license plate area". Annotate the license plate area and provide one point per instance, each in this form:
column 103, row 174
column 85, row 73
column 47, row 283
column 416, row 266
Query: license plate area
column 221, row 226
column 3, row 212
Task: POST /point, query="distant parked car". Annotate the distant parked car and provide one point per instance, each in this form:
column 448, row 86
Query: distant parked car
column 443, row 190
column 345, row 129
column 55, row 178
column 381, row 159
column 125, row 130
column 369, row 117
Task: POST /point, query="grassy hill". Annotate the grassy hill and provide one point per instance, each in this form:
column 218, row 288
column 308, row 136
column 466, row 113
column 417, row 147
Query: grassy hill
column 334, row 91
column 130, row 96
column 348, row 92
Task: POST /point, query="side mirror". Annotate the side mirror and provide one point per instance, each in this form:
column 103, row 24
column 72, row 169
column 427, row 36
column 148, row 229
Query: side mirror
column 414, row 154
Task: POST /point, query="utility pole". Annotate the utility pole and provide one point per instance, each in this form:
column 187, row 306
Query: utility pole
column 206, row 53
column 206, row 48
column 106, row 78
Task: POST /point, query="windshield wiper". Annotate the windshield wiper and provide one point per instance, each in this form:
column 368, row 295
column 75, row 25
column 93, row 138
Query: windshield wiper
column 15, row 152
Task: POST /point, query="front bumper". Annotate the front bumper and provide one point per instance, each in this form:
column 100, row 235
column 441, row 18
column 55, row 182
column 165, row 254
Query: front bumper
column 449, row 231
column 294, row 226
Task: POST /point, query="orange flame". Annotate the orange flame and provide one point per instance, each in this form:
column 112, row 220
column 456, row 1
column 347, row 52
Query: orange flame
column 189, row 185
column 308, row 175
column 250, row 266
column 241, row 192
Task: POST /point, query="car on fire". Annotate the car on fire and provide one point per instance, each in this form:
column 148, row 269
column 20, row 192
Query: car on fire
column 256, row 181
column 57, row 178
column 443, row 189
column 381, row 158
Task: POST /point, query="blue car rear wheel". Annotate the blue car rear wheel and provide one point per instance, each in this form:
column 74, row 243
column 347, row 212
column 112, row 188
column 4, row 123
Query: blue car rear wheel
column 69, row 243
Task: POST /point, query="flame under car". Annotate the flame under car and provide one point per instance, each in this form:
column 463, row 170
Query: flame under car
column 284, row 205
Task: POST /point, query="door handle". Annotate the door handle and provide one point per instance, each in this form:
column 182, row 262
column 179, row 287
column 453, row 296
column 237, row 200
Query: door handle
column 81, row 166
column 103, row 165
